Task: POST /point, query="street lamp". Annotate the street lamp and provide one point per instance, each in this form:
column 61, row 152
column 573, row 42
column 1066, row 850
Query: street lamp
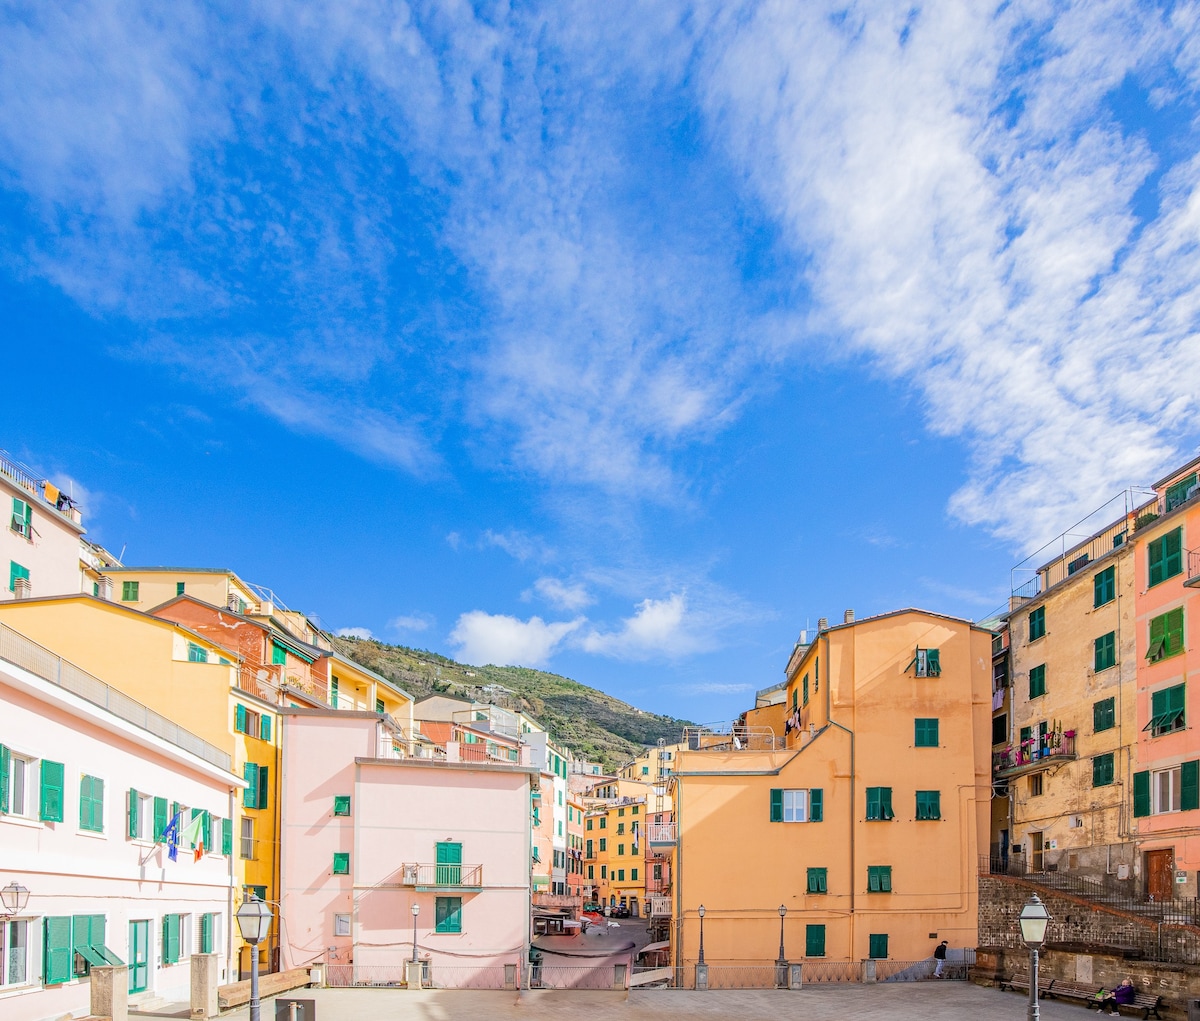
column 14, row 897
column 416, row 910
column 700, row 912
column 1034, row 919
column 254, row 922
column 781, row 964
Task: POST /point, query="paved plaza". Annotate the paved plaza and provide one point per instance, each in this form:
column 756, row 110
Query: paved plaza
column 926, row 1001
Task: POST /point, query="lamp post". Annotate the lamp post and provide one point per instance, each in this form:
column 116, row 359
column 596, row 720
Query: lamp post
column 14, row 897
column 781, row 964
column 416, row 910
column 700, row 912
column 1034, row 919
column 254, row 922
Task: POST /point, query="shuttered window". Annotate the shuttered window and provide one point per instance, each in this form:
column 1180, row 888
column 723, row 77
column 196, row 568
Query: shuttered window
column 160, row 818
column 1037, row 681
column 929, row 805
column 879, row 803
column 1104, row 587
column 1104, row 715
column 1167, row 710
column 264, row 726
column 1141, row 793
column 341, row 804
column 1166, row 556
column 879, row 879
column 1102, row 770
column 341, row 863
column 448, row 914
column 1189, row 785
column 53, row 778
column 170, row 939
column 227, row 836
column 206, row 934
column 814, row 941
column 1037, row 624
column 1166, row 635
column 817, row 880
column 58, row 952
column 879, row 946
column 925, row 733
column 1105, row 651
column 91, row 804
column 133, row 829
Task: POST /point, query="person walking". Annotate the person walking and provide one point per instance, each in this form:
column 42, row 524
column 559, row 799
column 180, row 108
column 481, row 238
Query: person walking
column 939, row 955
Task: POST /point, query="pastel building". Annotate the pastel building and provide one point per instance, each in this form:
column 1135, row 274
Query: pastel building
column 88, row 778
column 40, row 535
column 367, row 835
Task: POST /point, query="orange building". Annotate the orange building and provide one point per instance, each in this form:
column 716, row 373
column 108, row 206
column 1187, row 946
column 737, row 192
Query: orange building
column 864, row 824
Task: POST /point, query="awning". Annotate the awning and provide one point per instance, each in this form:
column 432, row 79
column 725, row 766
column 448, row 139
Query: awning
column 649, row 947
column 98, row 957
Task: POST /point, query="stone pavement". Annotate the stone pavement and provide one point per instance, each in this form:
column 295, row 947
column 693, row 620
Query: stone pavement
column 919, row 1001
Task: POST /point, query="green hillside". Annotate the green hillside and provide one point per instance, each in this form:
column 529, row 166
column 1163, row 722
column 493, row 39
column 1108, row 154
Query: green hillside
column 591, row 724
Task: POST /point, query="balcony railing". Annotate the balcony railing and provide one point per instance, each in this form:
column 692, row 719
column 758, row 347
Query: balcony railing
column 661, row 833
column 1193, row 569
column 731, row 738
column 1049, row 748
column 442, row 877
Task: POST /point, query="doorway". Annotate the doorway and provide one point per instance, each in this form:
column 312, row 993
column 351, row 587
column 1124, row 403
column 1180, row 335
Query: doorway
column 1160, row 874
column 139, row 956
column 1036, row 856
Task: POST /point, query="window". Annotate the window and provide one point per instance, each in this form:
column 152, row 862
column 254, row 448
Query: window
column 1178, row 493
column 620, row 811
column 1105, row 651
column 589, row 824
column 179, row 587
column 227, row 837
column 1037, row 681
column 604, row 822
column 817, row 881
column 1037, row 624
column 341, row 804
column 925, row 733
column 341, row 863
column 620, row 875
column 633, row 875
column 1166, row 556
column 91, row 804
column 802, row 805
column 129, row 591
column 634, row 810
column 1167, row 710
column 139, row 816
column 255, row 794
column 591, row 872
column 171, row 950
column 1166, row 790
column 341, row 925
column 16, row 776
column 16, row 571
column 999, row 729
column 247, row 850
column 928, row 663
column 879, row 803
column 53, row 779
column 1035, row 785
column 197, row 653
column 929, row 805
column 14, row 953
column 264, row 728
column 1166, row 635
column 814, row 941
column 22, row 518
column 620, row 828
column 621, row 850
column 278, row 654
column 1104, row 715
column 1102, row 770
column 879, row 946
column 448, row 914
column 245, row 721
column 590, row 850
column 1104, row 587
column 254, row 891
column 58, row 957
column 333, row 693
column 603, row 843
column 879, row 879
column 805, row 684
column 603, row 871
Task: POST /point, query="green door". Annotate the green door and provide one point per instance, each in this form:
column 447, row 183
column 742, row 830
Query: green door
column 139, row 956
column 449, row 864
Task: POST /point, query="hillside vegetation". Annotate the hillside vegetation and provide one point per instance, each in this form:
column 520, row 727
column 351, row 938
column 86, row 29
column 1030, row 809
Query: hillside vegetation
column 593, row 725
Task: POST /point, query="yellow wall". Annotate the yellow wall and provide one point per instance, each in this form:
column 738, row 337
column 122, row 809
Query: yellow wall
column 742, row 866
column 157, row 587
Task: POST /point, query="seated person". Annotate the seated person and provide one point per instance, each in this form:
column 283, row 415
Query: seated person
column 1122, row 994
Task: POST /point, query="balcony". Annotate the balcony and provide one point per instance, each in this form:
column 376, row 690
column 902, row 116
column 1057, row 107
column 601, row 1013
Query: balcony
column 660, row 907
column 1048, row 750
column 662, row 834
column 430, row 878
column 559, row 902
column 1192, row 580
column 732, row 738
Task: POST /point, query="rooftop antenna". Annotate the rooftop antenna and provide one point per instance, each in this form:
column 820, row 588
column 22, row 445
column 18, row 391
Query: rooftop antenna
column 122, row 556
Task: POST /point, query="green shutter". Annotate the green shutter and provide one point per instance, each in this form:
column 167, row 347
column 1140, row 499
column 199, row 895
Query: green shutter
column 379, row 707
column 264, row 788
column 929, row 805
column 170, row 933
column 250, row 794
column 227, row 836
column 814, row 941
column 925, row 733
column 1102, row 770
column 1166, row 556
column 448, row 914
column 91, row 804
column 817, row 880
column 1104, row 714
column 776, row 804
column 5, row 767
column 52, row 791
column 933, row 662
column 239, row 718
column 160, row 818
column 1104, row 653
column 1141, row 793
column 1189, row 785
column 206, row 831
column 1037, row 681
column 1174, row 630
column 57, row 952
column 1037, row 624
column 264, row 726
column 206, row 934
column 341, row 863
column 341, row 804
column 886, row 802
column 879, row 945
column 816, row 804
column 278, row 654
column 1104, row 587
column 133, row 813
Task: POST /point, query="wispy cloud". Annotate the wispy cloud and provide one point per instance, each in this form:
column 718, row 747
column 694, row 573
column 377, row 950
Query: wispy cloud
column 354, row 632
column 519, row 545
column 560, row 594
column 713, row 688
column 412, row 622
column 484, row 638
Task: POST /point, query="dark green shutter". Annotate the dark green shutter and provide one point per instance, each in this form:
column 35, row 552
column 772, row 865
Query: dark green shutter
column 239, row 718
column 1174, row 631
column 160, row 818
column 227, row 836
column 814, row 941
column 1189, row 785
column 885, row 803
column 52, row 791
column 879, row 945
column 250, row 794
column 206, row 934
column 341, row 805
column 816, row 804
column 170, row 939
column 776, row 804
column 58, row 957
column 133, row 813
column 5, row 767
column 264, row 788
column 1141, row 793
column 265, row 728
column 341, row 863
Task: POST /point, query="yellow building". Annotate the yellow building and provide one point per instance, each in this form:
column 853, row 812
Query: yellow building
column 595, row 855
column 193, row 681
column 143, row 588
column 627, row 856
column 864, row 824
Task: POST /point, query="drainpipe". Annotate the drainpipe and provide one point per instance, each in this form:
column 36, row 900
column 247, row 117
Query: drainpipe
column 833, row 722
column 677, row 879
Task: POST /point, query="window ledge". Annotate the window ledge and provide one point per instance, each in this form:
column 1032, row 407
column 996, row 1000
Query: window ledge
column 22, row 820
column 92, row 834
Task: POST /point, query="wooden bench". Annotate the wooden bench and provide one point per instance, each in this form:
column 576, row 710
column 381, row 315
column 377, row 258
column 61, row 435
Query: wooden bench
column 1147, row 1003
column 1074, row 991
column 237, row 993
column 1020, row 981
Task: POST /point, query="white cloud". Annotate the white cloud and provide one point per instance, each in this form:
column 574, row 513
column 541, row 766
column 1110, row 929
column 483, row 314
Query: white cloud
column 517, row 544
column 354, row 632
column 484, row 638
column 411, row 622
column 660, row 628
column 562, row 595
column 714, row 688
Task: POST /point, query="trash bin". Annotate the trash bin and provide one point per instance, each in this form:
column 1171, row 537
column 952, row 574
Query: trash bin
column 287, row 1009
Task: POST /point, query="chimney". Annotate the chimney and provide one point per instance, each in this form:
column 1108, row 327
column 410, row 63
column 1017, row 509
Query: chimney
column 823, row 624
column 848, row 617
column 22, row 588
column 106, row 586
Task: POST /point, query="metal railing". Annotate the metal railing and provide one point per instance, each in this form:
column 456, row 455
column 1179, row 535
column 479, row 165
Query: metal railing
column 442, row 876
column 21, row 651
column 1048, row 748
column 1193, row 568
column 731, row 737
column 661, row 833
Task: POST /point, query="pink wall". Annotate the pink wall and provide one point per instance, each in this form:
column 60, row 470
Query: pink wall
column 400, row 809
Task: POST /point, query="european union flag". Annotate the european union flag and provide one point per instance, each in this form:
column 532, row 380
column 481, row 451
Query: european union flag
column 170, row 837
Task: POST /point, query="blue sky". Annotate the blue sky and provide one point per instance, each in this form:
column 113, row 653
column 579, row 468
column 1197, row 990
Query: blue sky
column 623, row 339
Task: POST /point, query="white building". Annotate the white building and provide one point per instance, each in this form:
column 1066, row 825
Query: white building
column 40, row 530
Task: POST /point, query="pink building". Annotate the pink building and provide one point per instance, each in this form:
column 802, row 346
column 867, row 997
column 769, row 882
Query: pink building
column 84, row 792
column 367, row 835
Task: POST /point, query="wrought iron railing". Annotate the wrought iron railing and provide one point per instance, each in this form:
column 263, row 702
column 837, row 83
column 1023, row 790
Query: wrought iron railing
column 442, row 876
column 1047, row 748
column 731, row 737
